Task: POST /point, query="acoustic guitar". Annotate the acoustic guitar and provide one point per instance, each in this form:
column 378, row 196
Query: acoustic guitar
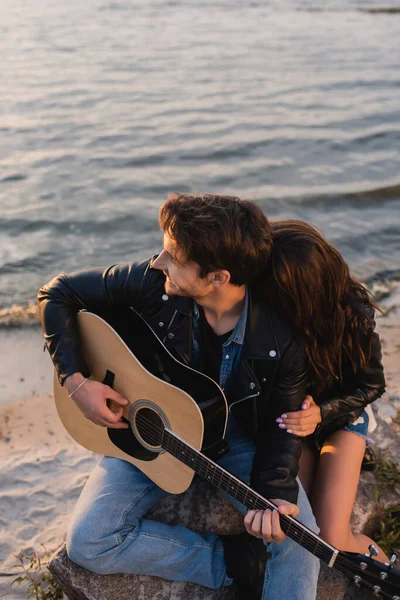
column 177, row 419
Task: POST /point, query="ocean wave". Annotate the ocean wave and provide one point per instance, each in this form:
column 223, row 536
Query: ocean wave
column 86, row 226
column 363, row 197
column 19, row 316
column 393, row 10
column 13, row 177
column 385, row 287
column 389, row 10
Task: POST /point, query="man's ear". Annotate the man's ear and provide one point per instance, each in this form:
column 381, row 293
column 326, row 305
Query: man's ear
column 222, row 277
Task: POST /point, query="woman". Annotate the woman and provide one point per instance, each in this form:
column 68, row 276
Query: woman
column 309, row 282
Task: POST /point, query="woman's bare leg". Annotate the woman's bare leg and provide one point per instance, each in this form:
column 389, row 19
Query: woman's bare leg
column 335, row 491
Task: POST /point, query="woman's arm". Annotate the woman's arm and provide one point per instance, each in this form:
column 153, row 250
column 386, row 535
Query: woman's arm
column 359, row 389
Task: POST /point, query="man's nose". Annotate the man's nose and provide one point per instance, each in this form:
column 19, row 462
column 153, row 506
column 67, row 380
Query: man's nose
column 159, row 262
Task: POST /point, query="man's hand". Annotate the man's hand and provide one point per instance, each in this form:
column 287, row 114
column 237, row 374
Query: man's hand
column 302, row 422
column 266, row 524
column 92, row 398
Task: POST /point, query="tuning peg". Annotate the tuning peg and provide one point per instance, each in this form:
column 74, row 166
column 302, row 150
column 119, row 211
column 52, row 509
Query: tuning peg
column 357, row 580
column 376, row 590
column 393, row 559
column 373, row 551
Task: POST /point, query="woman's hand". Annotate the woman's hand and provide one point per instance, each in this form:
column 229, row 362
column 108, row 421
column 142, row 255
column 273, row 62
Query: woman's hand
column 302, row 422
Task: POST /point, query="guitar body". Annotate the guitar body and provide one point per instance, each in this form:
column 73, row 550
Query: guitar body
column 123, row 352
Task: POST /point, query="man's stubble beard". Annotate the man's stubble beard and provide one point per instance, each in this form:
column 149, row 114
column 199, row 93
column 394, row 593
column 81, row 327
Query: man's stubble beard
column 172, row 289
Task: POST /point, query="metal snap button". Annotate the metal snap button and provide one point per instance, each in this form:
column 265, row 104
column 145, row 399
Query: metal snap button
column 164, row 297
column 264, row 379
column 161, row 324
column 272, row 353
column 171, row 336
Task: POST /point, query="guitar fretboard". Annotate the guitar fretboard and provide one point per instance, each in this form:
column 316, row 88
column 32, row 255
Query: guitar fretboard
column 238, row 490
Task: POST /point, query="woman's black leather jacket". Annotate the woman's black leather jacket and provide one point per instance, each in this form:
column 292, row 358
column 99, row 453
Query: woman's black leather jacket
column 343, row 402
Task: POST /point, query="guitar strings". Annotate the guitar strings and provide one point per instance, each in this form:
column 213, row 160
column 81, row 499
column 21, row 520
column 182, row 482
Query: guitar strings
column 342, row 563
column 307, row 541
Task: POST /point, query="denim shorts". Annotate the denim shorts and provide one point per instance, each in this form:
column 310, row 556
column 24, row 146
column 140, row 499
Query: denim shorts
column 360, row 426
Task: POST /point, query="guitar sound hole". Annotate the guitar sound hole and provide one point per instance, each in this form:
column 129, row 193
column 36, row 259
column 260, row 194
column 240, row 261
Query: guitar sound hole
column 149, row 426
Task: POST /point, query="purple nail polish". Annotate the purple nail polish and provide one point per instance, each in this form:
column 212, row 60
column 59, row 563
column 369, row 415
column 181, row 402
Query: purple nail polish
column 289, row 431
column 282, row 425
column 304, row 406
column 279, row 420
column 283, row 416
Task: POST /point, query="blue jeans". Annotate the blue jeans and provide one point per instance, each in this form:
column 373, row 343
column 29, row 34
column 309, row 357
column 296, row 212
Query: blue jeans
column 108, row 533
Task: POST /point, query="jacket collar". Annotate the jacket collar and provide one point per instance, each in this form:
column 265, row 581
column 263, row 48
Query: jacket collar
column 260, row 342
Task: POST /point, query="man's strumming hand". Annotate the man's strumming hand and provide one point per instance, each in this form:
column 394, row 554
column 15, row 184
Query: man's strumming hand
column 302, row 422
column 265, row 524
column 91, row 398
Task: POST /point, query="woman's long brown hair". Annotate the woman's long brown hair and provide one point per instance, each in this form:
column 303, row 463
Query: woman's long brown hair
column 308, row 282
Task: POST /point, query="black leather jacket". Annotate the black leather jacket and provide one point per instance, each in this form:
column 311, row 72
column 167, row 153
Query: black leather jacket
column 271, row 377
column 343, row 402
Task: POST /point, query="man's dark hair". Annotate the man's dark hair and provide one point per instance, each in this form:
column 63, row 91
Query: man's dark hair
column 219, row 232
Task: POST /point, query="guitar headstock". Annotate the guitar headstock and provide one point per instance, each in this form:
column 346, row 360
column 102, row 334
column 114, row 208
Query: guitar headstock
column 382, row 579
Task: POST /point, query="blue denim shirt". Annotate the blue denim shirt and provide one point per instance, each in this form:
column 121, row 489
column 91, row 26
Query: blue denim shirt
column 231, row 349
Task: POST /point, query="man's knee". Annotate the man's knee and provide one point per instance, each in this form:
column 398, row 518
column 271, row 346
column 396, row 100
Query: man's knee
column 88, row 552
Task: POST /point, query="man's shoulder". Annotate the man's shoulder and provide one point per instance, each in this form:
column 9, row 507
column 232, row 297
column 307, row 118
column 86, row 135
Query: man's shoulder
column 137, row 273
column 280, row 325
column 268, row 329
column 137, row 281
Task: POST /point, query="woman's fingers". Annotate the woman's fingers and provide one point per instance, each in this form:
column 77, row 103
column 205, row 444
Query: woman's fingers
column 302, row 430
column 302, row 422
column 290, row 421
column 300, row 415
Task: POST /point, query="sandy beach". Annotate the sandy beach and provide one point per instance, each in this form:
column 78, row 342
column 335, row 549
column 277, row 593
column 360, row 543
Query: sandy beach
column 43, row 469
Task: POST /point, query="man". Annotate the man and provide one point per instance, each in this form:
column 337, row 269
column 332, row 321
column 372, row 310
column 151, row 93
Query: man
column 201, row 297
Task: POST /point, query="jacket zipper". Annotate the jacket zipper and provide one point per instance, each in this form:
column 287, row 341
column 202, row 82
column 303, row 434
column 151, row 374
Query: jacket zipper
column 243, row 399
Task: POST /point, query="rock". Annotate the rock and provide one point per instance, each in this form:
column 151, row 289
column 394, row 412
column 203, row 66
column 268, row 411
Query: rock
column 332, row 585
column 80, row 584
column 387, row 412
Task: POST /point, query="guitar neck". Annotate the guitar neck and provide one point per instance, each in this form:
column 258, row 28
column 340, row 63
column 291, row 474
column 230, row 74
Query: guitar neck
column 238, row 490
